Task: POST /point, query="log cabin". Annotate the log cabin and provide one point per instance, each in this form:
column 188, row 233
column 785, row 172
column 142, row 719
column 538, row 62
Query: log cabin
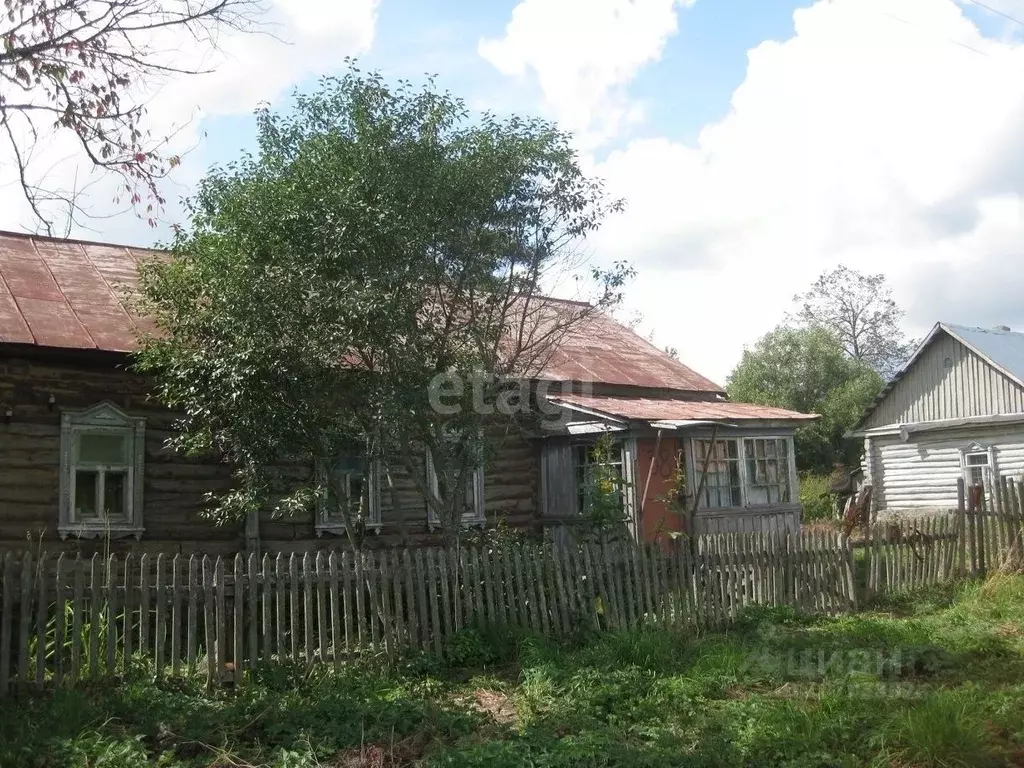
column 955, row 410
column 84, row 464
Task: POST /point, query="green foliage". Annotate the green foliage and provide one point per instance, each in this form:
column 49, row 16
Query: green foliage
column 814, row 496
column 372, row 272
column 806, row 369
column 936, row 682
column 604, row 488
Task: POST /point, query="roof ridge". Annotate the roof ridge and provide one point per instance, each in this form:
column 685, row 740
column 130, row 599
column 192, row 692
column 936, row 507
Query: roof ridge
column 81, row 241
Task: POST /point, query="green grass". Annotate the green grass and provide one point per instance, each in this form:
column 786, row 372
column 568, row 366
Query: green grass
column 933, row 679
column 817, row 505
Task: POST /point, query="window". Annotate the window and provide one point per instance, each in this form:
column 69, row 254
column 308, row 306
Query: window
column 473, row 493
column 101, row 473
column 977, row 462
column 722, row 483
column 349, row 491
column 762, row 476
column 767, row 475
column 586, row 460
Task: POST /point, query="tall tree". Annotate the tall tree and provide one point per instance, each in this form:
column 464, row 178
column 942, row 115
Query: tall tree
column 860, row 312
column 807, row 369
column 78, row 67
column 374, row 271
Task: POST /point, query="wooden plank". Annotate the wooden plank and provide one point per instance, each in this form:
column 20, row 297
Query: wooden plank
column 527, row 603
column 395, row 568
column 307, row 577
column 426, row 628
column 191, row 619
column 25, row 605
column 209, row 622
column 60, row 624
column 384, row 601
column 253, row 589
column 78, row 607
column 294, row 606
column 506, row 588
column 280, row 614
column 536, row 555
column 144, row 598
column 238, row 623
column 478, row 586
column 359, row 585
column 6, row 624
column 412, row 607
column 370, row 582
column 486, row 556
column 110, row 588
column 95, row 611
column 177, row 589
column 160, row 626
column 266, row 577
column 446, row 605
column 643, row 580
column 321, row 607
column 435, row 621
column 563, row 610
column 467, row 585
column 597, row 608
column 337, row 628
column 42, row 616
column 348, row 602
column 220, row 590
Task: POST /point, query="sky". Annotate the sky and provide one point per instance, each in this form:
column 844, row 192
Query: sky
column 756, row 143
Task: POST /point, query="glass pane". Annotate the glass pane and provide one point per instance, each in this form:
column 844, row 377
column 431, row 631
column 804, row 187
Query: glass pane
column 115, row 493
column 102, row 448
column 977, row 459
column 85, row 495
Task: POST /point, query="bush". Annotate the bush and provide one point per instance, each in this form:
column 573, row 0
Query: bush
column 818, row 504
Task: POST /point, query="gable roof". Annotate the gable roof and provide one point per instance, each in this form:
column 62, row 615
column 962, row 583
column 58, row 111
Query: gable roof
column 71, row 294
column 1001, row 349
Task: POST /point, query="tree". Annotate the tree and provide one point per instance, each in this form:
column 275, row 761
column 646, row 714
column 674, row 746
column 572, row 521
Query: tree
column 77, row 67
column 807, row 370
column 374, row 272
column 860, row 312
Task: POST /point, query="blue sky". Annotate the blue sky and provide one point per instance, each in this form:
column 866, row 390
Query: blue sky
column 756, row 142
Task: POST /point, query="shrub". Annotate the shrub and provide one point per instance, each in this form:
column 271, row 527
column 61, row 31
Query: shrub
column 817, row 503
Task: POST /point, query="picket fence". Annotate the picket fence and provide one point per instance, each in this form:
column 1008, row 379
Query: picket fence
column 65, row 619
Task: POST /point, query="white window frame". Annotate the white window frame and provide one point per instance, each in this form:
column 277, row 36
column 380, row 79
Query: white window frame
column 103, row 418
column 334, row 524
column 978, row 449
column 627, row 447
column 741, row 448
column 475, row 515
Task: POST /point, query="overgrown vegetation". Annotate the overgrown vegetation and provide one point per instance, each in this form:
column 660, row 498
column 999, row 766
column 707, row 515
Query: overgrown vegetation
column 815, row 498
column 932, row 680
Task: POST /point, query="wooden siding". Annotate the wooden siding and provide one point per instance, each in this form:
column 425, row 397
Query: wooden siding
column 174, row 485
column 923, row 472
column 931, row 391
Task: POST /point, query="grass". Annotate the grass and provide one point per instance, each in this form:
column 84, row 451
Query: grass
column 817, row 504
column 933, row 679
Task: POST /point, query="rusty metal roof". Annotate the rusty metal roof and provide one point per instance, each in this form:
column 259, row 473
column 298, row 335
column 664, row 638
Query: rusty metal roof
column 601, row 350
column 68, row 294
column 667, row 409
column 72, row 294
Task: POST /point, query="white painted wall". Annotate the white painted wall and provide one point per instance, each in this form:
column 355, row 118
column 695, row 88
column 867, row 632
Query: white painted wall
column 922, row 472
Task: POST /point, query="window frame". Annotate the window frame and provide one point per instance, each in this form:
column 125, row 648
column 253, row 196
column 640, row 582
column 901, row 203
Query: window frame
column 476, row 515
column 334, row 524
column 103, row 418
column 975, row 449
column 789, row 474
column 628, row 453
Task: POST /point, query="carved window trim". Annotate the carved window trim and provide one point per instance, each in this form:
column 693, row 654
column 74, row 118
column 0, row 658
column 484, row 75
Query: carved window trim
column 103, row 418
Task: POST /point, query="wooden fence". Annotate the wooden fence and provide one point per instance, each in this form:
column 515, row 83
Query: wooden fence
column 66, row 619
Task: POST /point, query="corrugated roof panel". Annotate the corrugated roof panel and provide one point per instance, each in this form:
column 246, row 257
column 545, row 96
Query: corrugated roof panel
column 54, row 324
column 25, row 272
column 667, row 409
column 13, row 328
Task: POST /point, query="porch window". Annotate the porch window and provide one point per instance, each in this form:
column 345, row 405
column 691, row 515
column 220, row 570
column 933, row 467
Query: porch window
column 745, row 472
column 101, row 473
column 472, row 494
column 722, row 486
column 586, row 461
column 348, row 492
column 767, row 470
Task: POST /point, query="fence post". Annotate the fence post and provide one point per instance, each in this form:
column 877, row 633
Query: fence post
column 7, row 587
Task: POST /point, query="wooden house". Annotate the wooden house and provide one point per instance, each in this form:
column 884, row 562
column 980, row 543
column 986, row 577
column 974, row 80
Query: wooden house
column 83, row 462
column 955, row 410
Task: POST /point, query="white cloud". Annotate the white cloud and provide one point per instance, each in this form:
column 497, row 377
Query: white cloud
column 294, row 40
column 883, row 136
column 583, row 52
